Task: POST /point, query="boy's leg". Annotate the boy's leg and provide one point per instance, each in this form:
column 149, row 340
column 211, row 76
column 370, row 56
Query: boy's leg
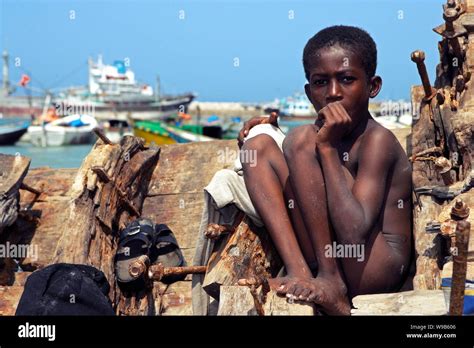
column 306, row 178
column 267, row 184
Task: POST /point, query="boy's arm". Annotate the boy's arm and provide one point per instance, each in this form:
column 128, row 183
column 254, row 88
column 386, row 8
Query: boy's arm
column 354, row 212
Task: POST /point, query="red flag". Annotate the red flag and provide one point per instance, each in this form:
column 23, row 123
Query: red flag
column 24, row 80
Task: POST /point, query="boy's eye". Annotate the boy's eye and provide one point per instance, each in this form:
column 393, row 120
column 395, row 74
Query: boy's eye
column 319, row 82
column 348, row 79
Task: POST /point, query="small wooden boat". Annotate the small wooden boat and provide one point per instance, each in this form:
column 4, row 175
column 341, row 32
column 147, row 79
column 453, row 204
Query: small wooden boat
column 73, row 129
column 161, row 134
column 12, row 131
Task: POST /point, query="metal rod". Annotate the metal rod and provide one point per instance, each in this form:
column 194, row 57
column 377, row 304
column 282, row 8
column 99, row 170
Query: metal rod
column 25, row 187
column 418, row 57
column 458, row 282
column 100, row 133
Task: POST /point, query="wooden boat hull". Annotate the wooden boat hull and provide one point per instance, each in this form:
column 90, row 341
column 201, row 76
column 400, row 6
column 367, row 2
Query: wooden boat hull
column 13, row 137
column 151, row 137
column 161, row 134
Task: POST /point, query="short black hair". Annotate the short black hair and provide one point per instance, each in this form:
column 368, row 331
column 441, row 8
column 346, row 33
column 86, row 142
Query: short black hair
column 354, row 39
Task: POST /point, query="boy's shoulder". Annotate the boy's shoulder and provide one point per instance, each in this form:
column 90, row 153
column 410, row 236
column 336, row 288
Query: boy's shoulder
column 377, row 141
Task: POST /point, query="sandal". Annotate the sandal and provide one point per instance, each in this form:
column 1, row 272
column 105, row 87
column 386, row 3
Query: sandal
column 135, row 240
column 167, row 252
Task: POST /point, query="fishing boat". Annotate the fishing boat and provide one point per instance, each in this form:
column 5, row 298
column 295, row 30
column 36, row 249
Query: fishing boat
column 12, row 130
column 296, row 105
column 160, row 133
column 69, row 130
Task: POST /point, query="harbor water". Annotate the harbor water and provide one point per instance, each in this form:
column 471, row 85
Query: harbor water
column 55, row 157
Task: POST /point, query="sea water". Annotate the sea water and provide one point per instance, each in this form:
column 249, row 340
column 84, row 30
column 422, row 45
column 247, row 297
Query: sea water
column 55, row 157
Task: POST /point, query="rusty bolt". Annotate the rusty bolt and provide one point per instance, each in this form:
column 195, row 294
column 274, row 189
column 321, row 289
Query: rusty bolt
column 139, row 266
column 418, row 56
column 443, row 164
column 460, row 210
column 448, row 228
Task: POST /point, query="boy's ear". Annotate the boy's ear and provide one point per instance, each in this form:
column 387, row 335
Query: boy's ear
column 375, row 86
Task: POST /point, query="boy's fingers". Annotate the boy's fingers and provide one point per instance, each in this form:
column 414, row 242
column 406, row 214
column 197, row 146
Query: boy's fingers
column 273, row 119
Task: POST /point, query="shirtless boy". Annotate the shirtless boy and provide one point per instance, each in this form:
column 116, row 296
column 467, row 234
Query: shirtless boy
column 343, row 181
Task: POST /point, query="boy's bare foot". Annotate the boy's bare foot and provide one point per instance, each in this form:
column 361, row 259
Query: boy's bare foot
column 329, row 293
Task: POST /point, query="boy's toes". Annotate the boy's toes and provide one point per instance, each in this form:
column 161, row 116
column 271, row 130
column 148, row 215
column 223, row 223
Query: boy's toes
column 299, row 289
column 290, row 293
column 315, row 296
column 303, row 296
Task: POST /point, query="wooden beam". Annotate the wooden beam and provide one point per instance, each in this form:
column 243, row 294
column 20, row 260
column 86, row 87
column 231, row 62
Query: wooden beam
column 246, row 253
column 100, row 208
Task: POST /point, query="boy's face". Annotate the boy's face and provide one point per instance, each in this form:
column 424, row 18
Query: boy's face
column 337, row 74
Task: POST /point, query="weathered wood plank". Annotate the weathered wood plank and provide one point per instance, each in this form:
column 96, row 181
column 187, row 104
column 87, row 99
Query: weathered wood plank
column 9, row 298
column 416, row 302
column 247, row 253
column 189, row 168
column 12, row 172
column 238, row 300
column 173, row 299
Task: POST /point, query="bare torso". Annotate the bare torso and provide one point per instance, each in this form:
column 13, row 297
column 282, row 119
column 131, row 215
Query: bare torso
column 388, row 247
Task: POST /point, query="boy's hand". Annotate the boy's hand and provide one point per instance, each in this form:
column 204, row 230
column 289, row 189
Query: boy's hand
column 335, row 121
column 254, row 121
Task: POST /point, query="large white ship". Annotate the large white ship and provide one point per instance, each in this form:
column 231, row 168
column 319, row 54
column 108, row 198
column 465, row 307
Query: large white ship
column 114, row 94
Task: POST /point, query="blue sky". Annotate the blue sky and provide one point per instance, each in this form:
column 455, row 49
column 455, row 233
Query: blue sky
column 53, row 40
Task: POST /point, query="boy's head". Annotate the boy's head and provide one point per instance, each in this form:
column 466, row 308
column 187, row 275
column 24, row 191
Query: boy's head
column 340, row 64
column 354, row 39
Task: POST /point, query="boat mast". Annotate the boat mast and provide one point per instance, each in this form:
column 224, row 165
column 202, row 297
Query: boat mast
column 6, row 80
column 158, row 91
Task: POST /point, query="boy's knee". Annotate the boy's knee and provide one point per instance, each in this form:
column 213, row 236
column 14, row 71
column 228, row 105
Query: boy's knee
column 259, row 143
column 299, row 140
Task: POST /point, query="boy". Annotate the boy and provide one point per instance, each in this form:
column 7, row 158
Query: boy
column 342, row 184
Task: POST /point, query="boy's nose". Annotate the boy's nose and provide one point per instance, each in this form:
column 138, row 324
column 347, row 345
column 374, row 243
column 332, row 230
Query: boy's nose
column 334, row 92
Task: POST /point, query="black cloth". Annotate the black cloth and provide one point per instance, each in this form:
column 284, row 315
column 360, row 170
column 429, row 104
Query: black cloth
column 66, row 289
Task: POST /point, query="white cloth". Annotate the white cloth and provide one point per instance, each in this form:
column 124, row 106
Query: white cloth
column 224, row 196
